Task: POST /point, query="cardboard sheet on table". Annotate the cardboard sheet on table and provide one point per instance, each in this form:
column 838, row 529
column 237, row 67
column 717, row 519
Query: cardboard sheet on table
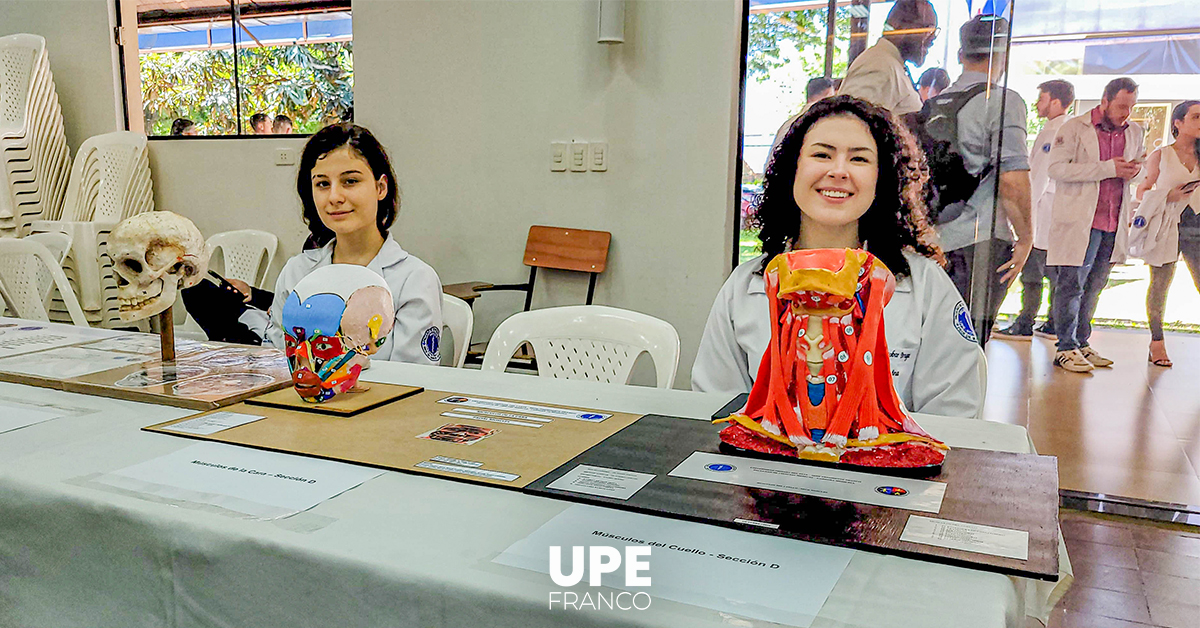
column 988, row 488
column 345, row 404
column 388, row 437
column 200, row 381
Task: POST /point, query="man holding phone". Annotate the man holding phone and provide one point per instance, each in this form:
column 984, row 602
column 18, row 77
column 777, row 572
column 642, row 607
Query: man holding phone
column 1092, row 161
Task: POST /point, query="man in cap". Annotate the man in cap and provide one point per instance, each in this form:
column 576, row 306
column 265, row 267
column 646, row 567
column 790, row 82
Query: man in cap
column 991, row 140
column 879, row 74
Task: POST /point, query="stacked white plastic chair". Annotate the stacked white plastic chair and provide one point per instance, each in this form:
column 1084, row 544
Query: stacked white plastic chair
column 33, row 146
column 110, row 181
column 29, row 273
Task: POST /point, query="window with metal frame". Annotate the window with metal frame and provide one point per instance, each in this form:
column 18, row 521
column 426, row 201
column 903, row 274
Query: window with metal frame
column 235, row 68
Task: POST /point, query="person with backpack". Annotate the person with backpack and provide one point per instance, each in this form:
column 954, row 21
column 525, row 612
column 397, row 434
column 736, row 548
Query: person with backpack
column 972, row 136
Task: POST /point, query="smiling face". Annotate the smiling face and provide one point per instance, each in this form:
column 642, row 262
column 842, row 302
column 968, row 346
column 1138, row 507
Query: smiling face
column 836, row 173
column 346, row 192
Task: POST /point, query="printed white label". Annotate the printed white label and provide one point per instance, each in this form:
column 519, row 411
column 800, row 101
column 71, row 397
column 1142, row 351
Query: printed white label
column 490, row 419
column 969, row 537
column 505, row 415
column 758, row 524
column 479, row 473
column 793, row 477
column 524, row 408
column 457, row 461
column 213, row 423
column 602, row 481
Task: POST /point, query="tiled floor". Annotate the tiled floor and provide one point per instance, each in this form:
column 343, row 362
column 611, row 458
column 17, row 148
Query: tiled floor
column 1132, row 430
column 1129, row 573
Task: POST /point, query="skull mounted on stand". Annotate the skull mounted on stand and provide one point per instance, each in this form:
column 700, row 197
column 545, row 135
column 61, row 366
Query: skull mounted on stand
column 154, row 255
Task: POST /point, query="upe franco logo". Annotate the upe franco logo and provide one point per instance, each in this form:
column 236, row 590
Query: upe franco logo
column 601, row 559
column 720, row 467
column 891, row 490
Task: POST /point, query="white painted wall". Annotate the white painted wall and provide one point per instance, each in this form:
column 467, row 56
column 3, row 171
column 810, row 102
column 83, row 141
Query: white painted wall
column 468, row 96
column 79, row 40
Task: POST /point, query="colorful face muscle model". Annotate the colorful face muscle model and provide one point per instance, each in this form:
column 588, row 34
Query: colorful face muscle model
column 336, row 316
column 824, row 389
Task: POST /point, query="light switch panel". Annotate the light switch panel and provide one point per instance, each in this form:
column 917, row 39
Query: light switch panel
column 598, row 157
column 558, row 157
column 579, row 156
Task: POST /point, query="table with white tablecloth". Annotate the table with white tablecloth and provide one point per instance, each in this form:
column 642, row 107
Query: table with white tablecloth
column 399, row 550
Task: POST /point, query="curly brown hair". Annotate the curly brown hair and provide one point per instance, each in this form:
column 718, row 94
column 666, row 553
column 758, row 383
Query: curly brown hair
column 896, row 220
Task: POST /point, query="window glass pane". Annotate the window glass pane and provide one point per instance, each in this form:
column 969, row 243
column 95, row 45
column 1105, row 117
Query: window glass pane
column 187, row 74
column 295, row 72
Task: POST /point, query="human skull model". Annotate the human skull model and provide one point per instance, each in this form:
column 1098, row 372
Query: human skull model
column 155, row 254
column 335, row 317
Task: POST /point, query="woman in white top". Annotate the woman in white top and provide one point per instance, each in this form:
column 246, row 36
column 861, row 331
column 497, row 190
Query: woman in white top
column 848, row 175
column 1171, row 169
column 347, row 186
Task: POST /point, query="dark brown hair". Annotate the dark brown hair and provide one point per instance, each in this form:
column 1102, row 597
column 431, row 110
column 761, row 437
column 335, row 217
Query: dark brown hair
column 362, row 143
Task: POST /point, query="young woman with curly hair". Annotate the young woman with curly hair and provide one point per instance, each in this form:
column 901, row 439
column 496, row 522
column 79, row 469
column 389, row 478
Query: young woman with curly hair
column 848, row 175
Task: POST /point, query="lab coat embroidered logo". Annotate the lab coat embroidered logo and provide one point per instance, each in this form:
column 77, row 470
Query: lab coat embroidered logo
column 1139, row 222
column 430, row 342
column 962, row 322
column 1045, row 148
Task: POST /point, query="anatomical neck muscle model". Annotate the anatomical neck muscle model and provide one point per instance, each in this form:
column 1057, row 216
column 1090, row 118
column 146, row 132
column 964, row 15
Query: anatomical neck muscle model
column 824, row 389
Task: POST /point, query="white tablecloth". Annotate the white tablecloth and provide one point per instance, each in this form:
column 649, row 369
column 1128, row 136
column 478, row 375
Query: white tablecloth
column 400, row 550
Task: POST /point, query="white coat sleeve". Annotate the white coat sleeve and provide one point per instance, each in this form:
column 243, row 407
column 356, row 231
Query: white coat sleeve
column 274, row 332
column 417, row 333
column 947, row 369
column 1063, row 166
column 721, row 365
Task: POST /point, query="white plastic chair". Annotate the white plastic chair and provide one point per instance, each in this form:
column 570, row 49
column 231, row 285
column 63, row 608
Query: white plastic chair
column 588, row 342
column 458, row 317
column 110, row 179
column 59, row 244
column 29, row 272
column 243, row 251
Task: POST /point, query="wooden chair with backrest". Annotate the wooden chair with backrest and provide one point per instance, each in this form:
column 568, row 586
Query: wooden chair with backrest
column 557, row 248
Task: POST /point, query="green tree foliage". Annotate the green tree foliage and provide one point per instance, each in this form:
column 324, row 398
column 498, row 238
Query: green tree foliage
column 310, row 83
column 806, row 31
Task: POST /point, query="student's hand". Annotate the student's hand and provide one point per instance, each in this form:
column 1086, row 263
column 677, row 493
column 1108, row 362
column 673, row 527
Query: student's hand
column 1021, row 250
column 1179, row 193
column 242, row 287
column 1126, row 169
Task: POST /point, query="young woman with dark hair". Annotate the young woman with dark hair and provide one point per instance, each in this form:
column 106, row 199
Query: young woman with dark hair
column 1172, row 172
column 849, row 175
column 348, row 190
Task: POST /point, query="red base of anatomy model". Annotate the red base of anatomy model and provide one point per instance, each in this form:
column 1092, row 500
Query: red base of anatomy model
column 824, row 390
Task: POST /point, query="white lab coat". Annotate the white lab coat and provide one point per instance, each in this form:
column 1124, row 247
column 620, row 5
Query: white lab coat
column 416, row 295
column 878, row 75
column 936, row 361
column 1077, row 171
column 1041, row 185
column 1154, row 230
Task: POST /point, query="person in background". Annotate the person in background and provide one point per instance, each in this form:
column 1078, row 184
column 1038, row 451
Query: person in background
column 348, row 190
column 817, row 89
column 1054, row 99
column 878, row 74
column 1092, row 161
column 183, row 126
column 848, row 175
column 968, row 234
column 260, row 124
column 932, row 82
column 1175, row 167
column 282, row 125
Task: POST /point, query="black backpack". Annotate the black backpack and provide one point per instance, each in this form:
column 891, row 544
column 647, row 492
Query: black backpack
column 936, row 130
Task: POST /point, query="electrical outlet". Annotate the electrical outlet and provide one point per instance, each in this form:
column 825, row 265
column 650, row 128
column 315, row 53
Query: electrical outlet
column 285, row 156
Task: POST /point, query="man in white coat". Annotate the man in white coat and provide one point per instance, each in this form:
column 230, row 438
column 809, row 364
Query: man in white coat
column 1093, row 158
column 1054, row 98
column 879, row 75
